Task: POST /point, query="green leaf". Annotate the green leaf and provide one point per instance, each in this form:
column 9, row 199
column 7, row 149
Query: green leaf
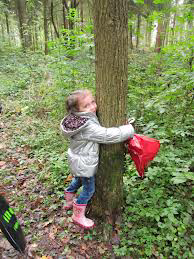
column 178, row 180
column 139, row 1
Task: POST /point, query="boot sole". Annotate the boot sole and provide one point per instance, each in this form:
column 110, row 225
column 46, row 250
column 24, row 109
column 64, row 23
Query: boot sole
column 82, row 226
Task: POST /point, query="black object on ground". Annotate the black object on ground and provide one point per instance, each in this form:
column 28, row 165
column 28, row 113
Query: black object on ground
column 10, row 226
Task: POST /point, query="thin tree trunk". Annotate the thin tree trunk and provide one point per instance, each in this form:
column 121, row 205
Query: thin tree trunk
column 45, row 27
column 24, row 33
column 111, row 41
column 166, row 29
column 159, row 37
column 7, row 23
column 82, row 11
column 138, row 30
column 148, row 33
column 6, row 12
column 173, row 29
column 131, row 36
column 2, row 31
column 64, row 4
column 35, row 36
column 53, row 21
column 130, row 32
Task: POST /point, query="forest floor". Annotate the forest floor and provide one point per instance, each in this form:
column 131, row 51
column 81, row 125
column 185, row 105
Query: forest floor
column 157, row 217
column 50, row 231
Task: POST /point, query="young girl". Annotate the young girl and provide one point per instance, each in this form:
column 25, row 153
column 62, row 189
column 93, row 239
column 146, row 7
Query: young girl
column 82, row 127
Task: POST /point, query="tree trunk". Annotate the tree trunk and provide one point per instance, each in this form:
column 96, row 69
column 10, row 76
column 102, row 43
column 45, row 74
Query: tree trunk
column 45, row 27
column 166, row 30
column 130, row 31
column 6, row 12
column 148, row 33
column 64, row 4
column 35, row 36
column 82, row 11
column 162, row 24
column 138, row 30
column 111, row 42
column 159, row 37
column 53, row 21
column 7, row 22
column 2, row 31
column 173, row 27
column 131, row 36
column 24, row 34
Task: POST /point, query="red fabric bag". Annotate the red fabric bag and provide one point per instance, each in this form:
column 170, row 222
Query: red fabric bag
column 142, row 150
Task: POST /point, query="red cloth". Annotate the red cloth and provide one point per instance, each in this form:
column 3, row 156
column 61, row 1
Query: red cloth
column 142, row 150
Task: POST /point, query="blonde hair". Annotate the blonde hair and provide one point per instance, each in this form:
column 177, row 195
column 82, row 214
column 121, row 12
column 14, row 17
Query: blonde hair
column 72, row 102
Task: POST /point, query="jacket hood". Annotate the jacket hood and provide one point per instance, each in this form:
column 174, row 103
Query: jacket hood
column 74, row 122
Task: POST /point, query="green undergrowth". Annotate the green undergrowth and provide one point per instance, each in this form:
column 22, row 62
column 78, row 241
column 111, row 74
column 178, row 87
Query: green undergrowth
column 157, row 212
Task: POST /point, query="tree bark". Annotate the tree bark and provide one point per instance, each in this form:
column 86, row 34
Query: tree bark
column 148, row 33
column 130, row 31
column 2, row 31
column 111, row 43
column 7, row 22
column 45, row 26
column 138, row 30
column 53, row 21
column 24, row 33
column 6, row 12
column 159, row 36
column 64, row 4
column 131, row 36
column 82, row 11
column 173, row 25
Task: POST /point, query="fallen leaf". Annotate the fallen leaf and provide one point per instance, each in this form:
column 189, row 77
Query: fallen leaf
column 2, row 164
column 36, row 203
column 15, row 162
column 83, row 247
column 5, row 244
column 45, row 224
column 53, row 232
column 68, row 179
column 65, row 240
column 101, row 250
column 32, row 250
column 2, row 146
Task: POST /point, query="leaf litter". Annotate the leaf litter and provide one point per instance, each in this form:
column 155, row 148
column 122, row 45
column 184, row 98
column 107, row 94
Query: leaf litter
column 48, row 228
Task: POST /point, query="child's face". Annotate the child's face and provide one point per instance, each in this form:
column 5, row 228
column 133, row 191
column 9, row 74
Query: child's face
column 87, row 103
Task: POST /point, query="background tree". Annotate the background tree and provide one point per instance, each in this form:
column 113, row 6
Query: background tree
column 6, row 11
column 23, row 28
column 163, row 8
column 111, row 44
column 45, row 26
column 53, row 21
column 65, row 10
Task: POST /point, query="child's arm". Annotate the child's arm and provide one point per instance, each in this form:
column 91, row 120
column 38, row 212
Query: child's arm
column 99, row 134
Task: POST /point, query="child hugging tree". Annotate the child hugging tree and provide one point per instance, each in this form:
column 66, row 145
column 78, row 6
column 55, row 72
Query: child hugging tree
column 83, row 129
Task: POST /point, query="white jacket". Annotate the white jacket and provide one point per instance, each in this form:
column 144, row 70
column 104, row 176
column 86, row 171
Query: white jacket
column 86, row 133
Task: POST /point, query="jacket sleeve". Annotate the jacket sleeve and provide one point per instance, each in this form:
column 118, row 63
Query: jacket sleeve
column 99, row 134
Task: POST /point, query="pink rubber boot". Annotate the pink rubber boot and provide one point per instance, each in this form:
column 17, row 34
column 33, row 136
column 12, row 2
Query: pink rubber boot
column 69, row 200
column 79, row 216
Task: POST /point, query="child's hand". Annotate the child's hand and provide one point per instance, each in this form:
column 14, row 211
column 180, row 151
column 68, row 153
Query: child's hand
column 131, row 120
